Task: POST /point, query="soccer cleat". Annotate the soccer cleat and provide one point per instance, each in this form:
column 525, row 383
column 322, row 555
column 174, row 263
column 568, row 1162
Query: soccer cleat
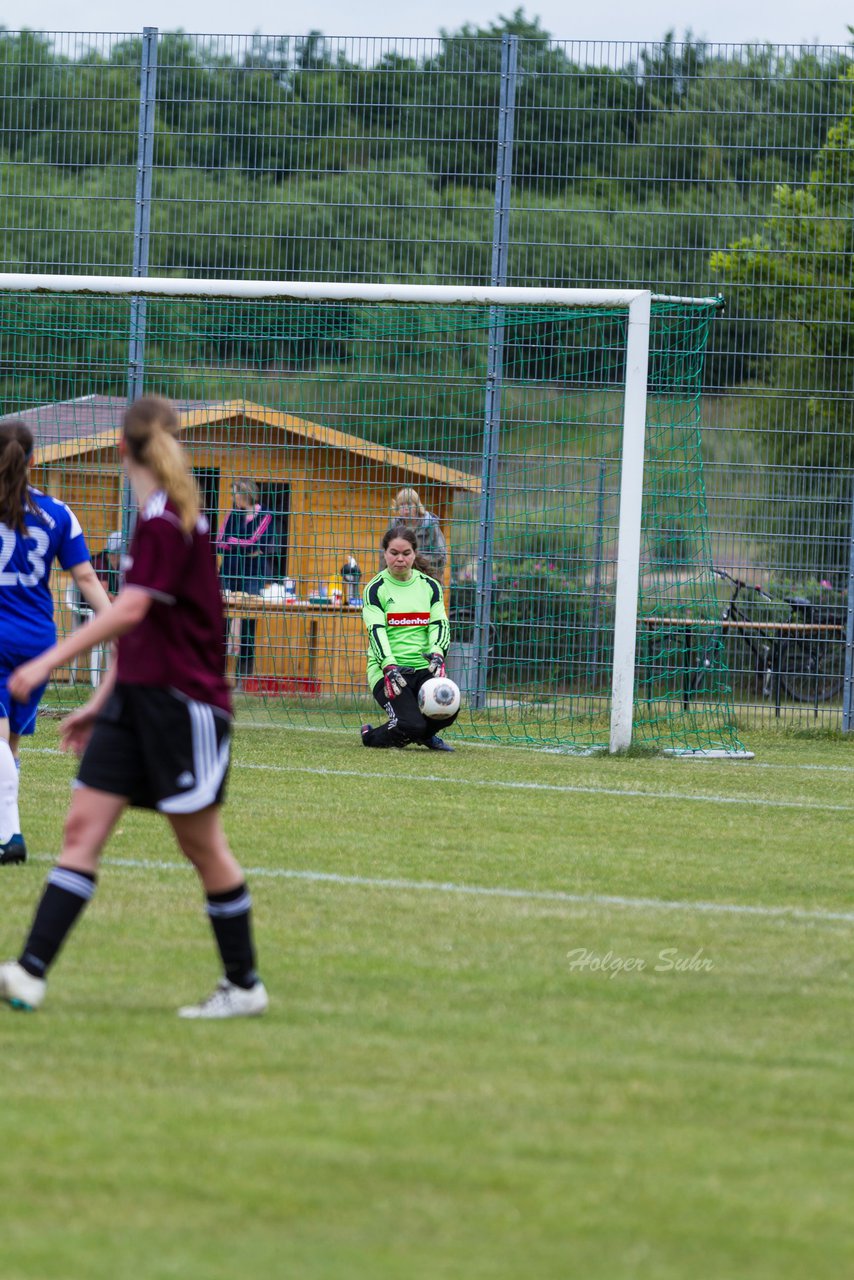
column 20, row 989
column 229, row 1001
column 365, row 730
column 14, row 850
column 438, row 744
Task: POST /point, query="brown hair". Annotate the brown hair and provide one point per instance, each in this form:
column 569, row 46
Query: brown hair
column 16, row 449
column 150, row 432
column 410, row 536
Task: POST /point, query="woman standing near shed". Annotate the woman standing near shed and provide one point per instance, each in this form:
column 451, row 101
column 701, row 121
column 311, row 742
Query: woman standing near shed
column 408, row 511
column 246, row 544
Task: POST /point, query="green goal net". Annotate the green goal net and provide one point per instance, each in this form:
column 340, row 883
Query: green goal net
column 505, row 412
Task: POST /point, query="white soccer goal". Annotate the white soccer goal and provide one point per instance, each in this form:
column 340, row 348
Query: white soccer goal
column 555, row 432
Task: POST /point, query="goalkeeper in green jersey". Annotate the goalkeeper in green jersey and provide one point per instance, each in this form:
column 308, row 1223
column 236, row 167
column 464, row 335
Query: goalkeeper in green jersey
column 408, row 637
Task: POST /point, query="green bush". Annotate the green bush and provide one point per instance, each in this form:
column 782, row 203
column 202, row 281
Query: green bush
column 552, row 550
column 543, row 633
column 545, row 629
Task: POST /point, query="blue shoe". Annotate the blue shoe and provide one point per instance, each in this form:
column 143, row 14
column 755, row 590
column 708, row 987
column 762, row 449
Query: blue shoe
column 14, row 850
column 438, row 744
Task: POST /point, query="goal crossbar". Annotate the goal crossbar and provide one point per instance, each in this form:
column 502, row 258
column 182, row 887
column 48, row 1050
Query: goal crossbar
column 299, row 290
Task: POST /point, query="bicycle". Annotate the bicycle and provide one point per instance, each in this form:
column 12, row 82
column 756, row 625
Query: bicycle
column 811, row 668
column 794, row 656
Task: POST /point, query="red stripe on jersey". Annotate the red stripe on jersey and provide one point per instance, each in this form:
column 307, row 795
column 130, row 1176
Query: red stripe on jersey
column 407, row 619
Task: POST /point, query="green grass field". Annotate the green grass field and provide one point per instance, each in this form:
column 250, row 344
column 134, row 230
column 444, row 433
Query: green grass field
column 533, row 1015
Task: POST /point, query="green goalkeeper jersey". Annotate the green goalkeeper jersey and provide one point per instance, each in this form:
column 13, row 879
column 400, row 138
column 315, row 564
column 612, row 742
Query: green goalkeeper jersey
column 405, row 622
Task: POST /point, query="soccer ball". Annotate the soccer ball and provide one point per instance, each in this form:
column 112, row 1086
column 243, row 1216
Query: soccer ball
column 438, row 698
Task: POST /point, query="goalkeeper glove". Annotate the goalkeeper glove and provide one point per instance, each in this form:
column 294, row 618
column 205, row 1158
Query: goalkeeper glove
column 394, row 681
column 435, row 663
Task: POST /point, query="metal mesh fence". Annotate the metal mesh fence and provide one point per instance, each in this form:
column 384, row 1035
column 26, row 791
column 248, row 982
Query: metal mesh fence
column 315, row 425
column 681, row 167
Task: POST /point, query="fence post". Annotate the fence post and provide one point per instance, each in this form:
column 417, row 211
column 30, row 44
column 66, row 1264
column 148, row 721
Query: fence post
column 142, row 207
column 141, row 238
column 494, row 370
column 847, row 690
column 598, row 564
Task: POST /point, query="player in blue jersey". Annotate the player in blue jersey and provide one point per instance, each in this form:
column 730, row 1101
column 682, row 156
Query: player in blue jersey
column 35, row 531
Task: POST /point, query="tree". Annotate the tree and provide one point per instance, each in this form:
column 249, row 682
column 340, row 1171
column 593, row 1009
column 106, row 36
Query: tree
column 797, row 270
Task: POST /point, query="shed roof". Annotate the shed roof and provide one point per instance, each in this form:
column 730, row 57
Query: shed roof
column 69, row 428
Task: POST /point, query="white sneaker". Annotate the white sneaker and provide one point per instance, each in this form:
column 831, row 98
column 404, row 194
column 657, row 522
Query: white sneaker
column 229, row 1001
column 19, row 988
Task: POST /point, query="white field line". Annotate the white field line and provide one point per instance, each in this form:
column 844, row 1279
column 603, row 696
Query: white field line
column 484, row 744
column 528, row 748
column 812, row 768
column 628, row 793
column 556, row 896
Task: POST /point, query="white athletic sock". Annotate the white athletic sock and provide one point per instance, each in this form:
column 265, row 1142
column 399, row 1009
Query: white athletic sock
column 10, row 822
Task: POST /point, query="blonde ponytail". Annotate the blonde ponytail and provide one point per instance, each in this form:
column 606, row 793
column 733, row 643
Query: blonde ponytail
column 150, row 431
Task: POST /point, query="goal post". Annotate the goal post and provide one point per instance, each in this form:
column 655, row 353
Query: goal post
column 627, row 586
column 565, row 475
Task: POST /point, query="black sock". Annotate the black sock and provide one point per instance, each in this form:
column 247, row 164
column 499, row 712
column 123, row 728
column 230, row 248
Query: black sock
column 231, row 919
column 65, row 895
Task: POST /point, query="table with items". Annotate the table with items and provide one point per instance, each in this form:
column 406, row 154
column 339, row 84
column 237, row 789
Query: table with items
column 313, row 647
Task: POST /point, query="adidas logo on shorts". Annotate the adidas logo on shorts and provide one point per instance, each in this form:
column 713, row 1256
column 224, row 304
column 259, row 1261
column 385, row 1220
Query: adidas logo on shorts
column 185, row 779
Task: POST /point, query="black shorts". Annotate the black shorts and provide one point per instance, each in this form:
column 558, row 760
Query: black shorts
column 159, row 748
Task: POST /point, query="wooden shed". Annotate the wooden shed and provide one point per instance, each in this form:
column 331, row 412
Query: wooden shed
column 330, row 491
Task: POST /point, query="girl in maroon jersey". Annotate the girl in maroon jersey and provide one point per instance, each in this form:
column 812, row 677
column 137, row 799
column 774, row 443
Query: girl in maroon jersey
column 156, row 733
